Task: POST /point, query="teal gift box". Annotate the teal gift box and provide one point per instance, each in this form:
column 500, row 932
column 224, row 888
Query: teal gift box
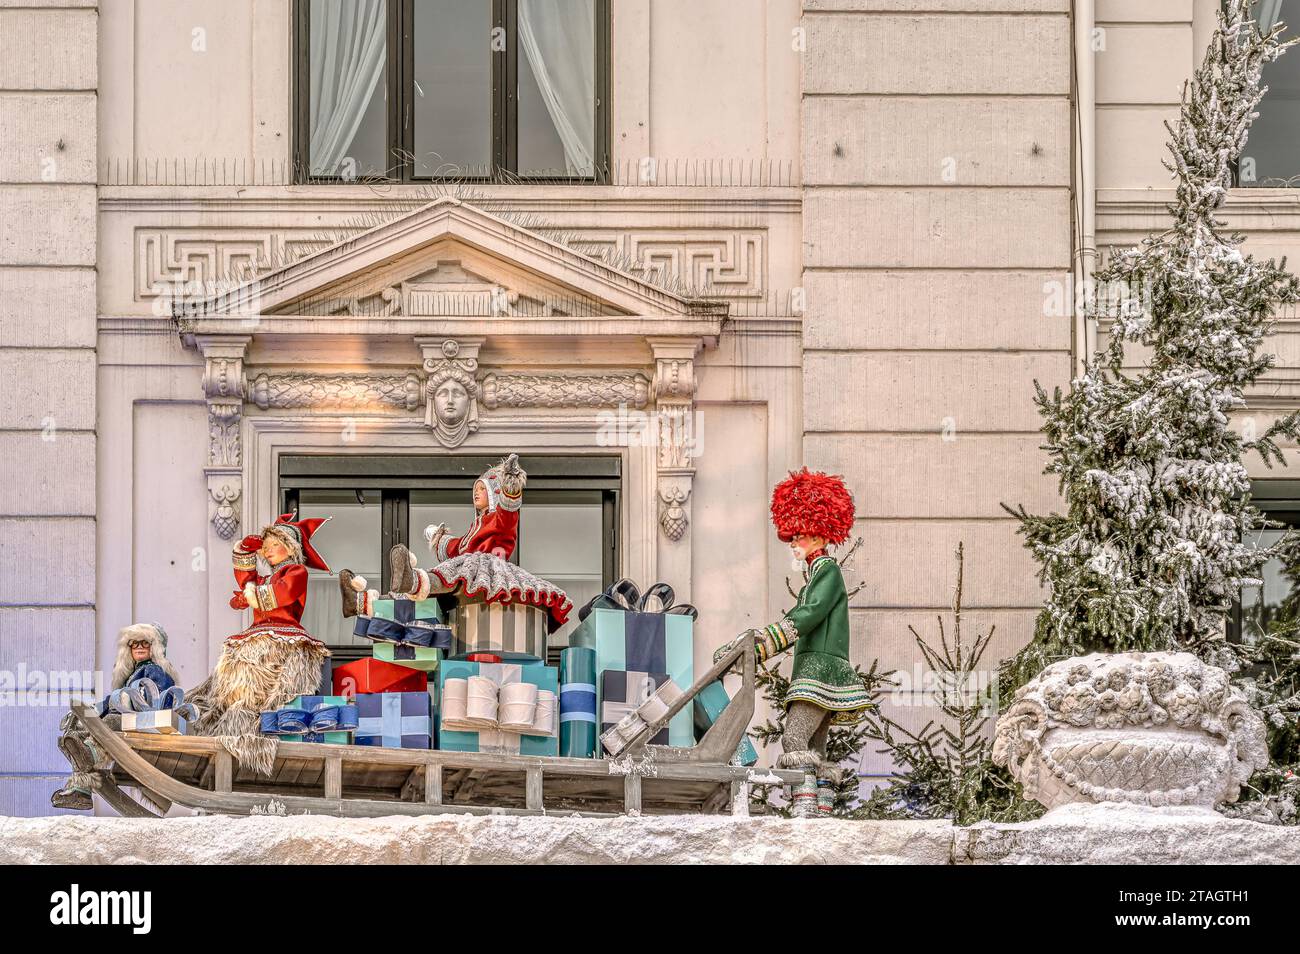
column 338, row 737
column 496, row 741
column 425, row 658
column 644, row 642
column 708, row 706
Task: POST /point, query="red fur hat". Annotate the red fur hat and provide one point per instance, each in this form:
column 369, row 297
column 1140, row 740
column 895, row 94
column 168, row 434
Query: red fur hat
column 812, row 503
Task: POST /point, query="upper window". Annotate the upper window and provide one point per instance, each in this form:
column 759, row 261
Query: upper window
column 486, row 90
column 1271, row 157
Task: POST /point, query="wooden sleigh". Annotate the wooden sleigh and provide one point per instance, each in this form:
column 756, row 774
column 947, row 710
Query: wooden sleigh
column 367, row 781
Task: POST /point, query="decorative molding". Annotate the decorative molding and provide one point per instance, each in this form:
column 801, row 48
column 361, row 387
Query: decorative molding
column 629, row 388
column 225, row 519
column 451, row 390
column 211, row 254
column 336, row 391
column 673, row 518
column 731, row 263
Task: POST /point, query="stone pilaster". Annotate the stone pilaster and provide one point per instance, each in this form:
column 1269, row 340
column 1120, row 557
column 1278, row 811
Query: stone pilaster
column 673, row 391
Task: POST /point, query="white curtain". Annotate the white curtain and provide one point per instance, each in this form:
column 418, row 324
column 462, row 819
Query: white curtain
column 347, row 61
column 558, row 38
column 1267, row 14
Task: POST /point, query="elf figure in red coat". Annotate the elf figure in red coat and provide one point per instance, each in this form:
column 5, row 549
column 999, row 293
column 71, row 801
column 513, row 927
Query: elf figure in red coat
column 475, row 564
column 273, row 660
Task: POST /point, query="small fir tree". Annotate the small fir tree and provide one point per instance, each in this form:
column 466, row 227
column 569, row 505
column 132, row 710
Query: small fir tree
column 946, row 770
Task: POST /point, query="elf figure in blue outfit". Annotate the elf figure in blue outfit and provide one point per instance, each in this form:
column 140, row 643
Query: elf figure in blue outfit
column 141, row 654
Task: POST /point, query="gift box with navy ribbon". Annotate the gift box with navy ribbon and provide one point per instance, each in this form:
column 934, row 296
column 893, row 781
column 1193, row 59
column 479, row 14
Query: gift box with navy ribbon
column 412, row 622
column 395, row 720
column 545, row 678
column 708, row 706
column 622, row 693
column 146, row 708
column 424, row 658
column 635, row 632
column 328, row 720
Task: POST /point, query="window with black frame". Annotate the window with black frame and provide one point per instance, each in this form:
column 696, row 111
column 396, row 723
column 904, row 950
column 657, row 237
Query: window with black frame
column 486, row 90
column 567, row 527
column 1259, row 606
column 1272, row 156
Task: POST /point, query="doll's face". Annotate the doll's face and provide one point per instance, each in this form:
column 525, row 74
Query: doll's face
column 140, row 649
column 273, row 549
column 803, row 544
column 480, row 496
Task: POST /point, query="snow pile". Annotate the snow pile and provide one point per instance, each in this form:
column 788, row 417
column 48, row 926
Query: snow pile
column 1080, row 834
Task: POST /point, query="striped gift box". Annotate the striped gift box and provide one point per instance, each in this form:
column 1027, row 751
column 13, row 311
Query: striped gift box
column 514, row 631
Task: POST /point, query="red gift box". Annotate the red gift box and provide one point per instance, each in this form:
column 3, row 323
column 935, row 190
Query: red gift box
column 375, row 675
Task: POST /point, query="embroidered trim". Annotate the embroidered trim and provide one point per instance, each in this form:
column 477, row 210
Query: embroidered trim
column 266, row 598
column 788, row 627
column 243, row 560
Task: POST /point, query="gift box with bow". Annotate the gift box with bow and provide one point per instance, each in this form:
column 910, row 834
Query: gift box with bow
column 512, row 709
column 645, row 632
column 146, row 708
column 324, row 719
column 375, row 675
column 410, row 622
column 395, row 720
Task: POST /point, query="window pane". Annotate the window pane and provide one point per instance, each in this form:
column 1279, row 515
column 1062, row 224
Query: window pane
column 352, row 540
column 1272, row 154
column 561, row 542
column 454, row 508
column 346, row 89
column 557, row 87
column 453, row 87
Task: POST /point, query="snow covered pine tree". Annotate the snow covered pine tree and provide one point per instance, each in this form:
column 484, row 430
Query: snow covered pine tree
column 1156, row 541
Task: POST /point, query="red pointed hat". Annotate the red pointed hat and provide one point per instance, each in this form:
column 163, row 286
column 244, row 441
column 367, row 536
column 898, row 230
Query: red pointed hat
column 812, row 503
column 302, row 531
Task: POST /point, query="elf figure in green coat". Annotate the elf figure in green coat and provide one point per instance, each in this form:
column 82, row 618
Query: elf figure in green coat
column 812, row 511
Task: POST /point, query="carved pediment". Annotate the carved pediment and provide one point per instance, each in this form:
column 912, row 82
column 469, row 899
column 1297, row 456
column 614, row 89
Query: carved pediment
column 449, row 263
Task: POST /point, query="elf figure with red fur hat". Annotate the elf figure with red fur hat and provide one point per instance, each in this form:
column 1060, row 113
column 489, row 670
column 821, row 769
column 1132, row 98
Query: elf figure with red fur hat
column 273, row 660
column 812, row 511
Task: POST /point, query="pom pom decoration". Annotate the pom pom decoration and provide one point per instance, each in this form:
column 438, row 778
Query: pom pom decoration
column 812, row 503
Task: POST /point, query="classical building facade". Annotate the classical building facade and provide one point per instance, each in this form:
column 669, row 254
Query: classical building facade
column 250, row 261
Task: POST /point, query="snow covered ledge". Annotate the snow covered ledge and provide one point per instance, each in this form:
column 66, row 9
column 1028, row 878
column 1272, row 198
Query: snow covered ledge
column 1091, row 834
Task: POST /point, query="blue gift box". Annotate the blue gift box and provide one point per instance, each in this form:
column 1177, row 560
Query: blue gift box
column 305, row 706
column 511, row 743
column 708, row 706
column 395, row 720
column 629, row 641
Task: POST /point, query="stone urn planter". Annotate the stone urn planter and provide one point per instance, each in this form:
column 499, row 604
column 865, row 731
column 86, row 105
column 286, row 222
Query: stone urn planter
column 1142, row 728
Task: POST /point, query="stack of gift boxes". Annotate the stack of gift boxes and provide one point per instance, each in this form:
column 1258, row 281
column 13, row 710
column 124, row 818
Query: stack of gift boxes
column 482, row 685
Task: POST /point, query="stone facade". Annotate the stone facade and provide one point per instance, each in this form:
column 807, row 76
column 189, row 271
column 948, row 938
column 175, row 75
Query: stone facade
column 883, row 194
column 48, row 448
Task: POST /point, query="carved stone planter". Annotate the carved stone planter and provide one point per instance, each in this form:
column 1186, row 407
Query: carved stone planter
column 1143, row 728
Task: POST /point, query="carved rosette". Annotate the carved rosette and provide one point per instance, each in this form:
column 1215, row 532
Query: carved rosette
column 374, row 392
column 1143, row 728
column 630, row 388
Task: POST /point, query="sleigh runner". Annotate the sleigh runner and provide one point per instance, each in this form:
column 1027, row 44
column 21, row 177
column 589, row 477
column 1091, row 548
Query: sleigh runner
column 367, row 781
